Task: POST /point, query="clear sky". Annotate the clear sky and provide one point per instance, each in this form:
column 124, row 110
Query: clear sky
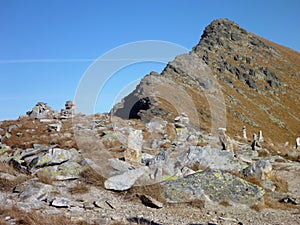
column 46, row 46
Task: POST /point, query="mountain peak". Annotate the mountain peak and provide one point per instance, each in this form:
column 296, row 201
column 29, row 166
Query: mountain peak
column 259, row 80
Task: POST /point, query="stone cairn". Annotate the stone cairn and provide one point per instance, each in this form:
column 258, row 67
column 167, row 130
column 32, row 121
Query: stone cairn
column 40, row 110
column 70, row 109
column 225, row 140
column 260, row 136
column 255, row 144
column 244, row 132
column 298, row 143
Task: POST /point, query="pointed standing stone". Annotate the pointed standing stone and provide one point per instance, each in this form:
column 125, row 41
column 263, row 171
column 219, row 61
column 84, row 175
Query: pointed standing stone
column 260, row 137
column 244, row 132
column 298, row 143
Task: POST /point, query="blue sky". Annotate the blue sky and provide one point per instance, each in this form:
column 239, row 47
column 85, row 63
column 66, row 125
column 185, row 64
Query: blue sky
column 46, row 46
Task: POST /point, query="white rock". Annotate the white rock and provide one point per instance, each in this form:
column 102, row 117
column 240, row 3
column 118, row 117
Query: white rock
column 61, row 203
column 124, row 181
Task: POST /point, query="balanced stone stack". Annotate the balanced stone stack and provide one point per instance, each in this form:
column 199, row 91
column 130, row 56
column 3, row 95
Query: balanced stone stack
column 70, row 109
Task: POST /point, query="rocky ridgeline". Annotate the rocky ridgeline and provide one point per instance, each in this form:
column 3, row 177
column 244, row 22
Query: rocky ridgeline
column 232, row 70
column 223, row 45
column 174, row 161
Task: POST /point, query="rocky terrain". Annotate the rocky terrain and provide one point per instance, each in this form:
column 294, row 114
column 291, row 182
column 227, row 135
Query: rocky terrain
column 210, row 140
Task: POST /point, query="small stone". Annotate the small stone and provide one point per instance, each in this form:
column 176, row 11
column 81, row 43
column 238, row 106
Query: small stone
column 290, row 199
column 7, row 218
column 89, row 205
column 60, row 203
column 104, row 204
column 151, row 202
column 76, row 209
column 227, row 219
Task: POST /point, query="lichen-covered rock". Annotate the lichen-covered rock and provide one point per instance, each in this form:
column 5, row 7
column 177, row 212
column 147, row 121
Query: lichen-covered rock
column 66, row 171
column 56, row 156
column 214, row 185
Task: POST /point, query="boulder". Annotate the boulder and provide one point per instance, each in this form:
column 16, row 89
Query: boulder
column 119, row 166
column 56, row 156
column 124, row 181
column 66, row 171
column 260, row 169
column 214, row 185
column 226, row 142
column 33, row 191
column 213, row 158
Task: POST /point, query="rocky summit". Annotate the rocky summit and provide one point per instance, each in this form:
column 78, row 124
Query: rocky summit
column 258, row 81
column 212, row 139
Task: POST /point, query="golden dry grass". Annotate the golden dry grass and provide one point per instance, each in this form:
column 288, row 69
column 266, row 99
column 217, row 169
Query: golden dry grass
column 251, row 179
column 269, row 202
column 197, row 204
column 80, row 188
column 45, row 178
column 8, row 185
column 90, row 176
column 34, row 218
column 198, row 166
column 7, row 168
column 153, row 190
column 280, row 183
column 225, row 203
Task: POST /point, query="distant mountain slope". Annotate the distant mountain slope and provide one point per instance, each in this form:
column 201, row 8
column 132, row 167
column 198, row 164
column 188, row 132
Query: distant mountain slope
column 258, row 79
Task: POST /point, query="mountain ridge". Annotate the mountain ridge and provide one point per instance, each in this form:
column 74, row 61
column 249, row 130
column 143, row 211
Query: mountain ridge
column 259, row 80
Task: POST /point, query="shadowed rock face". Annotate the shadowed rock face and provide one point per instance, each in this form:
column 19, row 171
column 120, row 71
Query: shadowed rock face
column 231, row 78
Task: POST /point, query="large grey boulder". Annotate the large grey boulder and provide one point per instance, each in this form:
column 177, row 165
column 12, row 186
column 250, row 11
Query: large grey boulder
column 214, row 185
column 34, row 192
column 260, row 169
column 56, row 156
column 119, row 166
column 66, row 171
column 213, row 158
column 124, row 181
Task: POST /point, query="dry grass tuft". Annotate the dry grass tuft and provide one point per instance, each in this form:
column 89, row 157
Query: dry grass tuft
column 45, row 178
column 8, row 185
column 263, row 153
column 80, row 188
column 7, row 168
column 197, row 204
column 254, row 180
column 269, row 202
column 90, row 176
column 34, row 218
column 251, row 179
column 280, row 183
column 198, row 166
column 225, row 203
column 153, row 190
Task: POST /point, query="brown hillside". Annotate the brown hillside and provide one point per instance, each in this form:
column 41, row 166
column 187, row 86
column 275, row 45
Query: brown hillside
column 259, row 80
